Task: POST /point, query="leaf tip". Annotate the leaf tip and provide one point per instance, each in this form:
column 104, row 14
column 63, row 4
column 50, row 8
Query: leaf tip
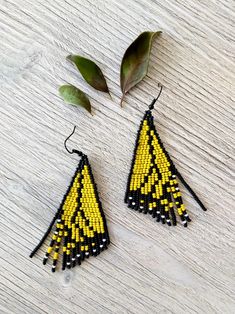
column 158, row 33
column 69, row 58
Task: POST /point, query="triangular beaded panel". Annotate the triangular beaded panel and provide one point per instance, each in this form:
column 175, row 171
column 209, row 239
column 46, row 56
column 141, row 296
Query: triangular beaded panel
column 152, row 186
column 81, row 224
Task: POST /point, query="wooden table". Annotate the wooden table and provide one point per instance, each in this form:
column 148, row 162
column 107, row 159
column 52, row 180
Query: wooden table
column 149, row 267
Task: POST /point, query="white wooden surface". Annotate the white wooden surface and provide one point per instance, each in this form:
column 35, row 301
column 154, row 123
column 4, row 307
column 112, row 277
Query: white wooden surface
column 148, row 268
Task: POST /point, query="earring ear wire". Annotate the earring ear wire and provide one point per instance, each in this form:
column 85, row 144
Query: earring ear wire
column 151, row 106
column 73, row 150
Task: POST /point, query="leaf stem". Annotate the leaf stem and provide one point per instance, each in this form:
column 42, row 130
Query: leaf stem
column 110, row 95
column 123, row 96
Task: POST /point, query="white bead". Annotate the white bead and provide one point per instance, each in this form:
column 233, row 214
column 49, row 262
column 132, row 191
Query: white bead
column 68, row 263
column 162, row 216
column 78, row 255
column 94, row 250
column 158, row 212
column 53, row 266
column 133, row 203
column 184, row 222
column 56, row 232
column 46, row 257
column 177, row 189
column 87, row 253
column 101, row 245
column 73, row 258
column 130, row 198
column 58, row 220
column 168, row 220
column 185, row 215
column 141, row 207
column 104, row 240
column 174, row 176
column 150, row 209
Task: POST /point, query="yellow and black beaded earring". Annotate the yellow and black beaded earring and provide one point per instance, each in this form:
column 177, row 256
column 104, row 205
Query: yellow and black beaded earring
column 81, row 229
column 152, row 184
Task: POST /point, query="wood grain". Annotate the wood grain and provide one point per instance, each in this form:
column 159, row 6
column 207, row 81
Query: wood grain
column 148, row 268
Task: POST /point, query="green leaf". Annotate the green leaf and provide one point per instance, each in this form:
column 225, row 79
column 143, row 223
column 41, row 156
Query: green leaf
column 90, row 72
column 135, row 61
column 75, row 96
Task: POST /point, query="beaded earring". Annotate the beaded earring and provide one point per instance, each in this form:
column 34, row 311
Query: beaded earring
column 80, row 220
column 152, row 184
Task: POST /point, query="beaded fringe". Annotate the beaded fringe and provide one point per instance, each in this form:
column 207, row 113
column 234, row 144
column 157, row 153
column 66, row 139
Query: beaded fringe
column 152, row 185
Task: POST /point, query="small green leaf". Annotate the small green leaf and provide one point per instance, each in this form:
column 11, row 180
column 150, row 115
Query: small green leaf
column 75, row 96
column 90, row 72
column 135, row 61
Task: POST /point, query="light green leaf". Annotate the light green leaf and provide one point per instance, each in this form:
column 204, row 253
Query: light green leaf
column 75, row 96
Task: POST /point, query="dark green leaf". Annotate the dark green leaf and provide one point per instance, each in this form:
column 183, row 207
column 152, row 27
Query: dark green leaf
column 135, row 61
column 90, row 72
column 75, row 96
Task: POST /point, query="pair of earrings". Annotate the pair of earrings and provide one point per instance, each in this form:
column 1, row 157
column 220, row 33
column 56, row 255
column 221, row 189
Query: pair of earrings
column 81, row 229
